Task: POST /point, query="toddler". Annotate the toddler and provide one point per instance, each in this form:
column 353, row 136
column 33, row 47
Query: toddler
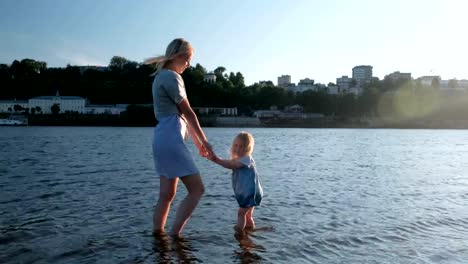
column 245, row 181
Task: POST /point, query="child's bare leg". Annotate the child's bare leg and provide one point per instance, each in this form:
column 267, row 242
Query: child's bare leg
column 241, row 214
column 249, row 222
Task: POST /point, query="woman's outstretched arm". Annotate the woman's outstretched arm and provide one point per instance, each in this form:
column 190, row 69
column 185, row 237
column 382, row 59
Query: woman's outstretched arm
column 195, row 129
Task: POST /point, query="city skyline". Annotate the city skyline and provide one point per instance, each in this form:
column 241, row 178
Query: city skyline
column 262, row 40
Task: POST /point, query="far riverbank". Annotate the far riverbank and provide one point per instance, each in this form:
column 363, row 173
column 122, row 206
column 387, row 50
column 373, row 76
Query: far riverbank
column 243, row 121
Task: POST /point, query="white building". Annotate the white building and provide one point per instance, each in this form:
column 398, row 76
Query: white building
column 427, row 80
column 284, row 81
column 362, row 74
column 304, row 85
column 209, row 78
column 399, row 76
column 65, row 103
column 216, row 110
column 344, row 83
column 8, row 106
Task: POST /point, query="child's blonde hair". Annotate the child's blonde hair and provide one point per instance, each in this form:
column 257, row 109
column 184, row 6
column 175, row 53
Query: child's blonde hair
column 176, row 47
column 247, row 141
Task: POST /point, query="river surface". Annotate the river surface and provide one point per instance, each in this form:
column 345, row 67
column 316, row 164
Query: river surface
column 86, row 195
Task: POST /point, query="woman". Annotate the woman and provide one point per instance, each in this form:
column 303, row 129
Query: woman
column 175, row 118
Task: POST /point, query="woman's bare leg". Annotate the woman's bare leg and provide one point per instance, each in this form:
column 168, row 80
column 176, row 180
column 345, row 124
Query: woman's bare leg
column 249, row 222
column 241, row 221
column 195, row 189
column 167, row 191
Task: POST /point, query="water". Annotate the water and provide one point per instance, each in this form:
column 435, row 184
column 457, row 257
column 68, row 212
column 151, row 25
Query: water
column 85, row 195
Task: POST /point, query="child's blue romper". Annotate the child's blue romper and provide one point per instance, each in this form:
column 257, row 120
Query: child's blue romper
column 246, row 183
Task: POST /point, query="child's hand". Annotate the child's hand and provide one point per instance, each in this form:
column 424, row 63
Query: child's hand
column 211, row 156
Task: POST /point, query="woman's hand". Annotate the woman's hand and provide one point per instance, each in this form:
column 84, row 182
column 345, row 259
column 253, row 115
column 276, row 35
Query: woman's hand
column 202, row 151
column 207, row 148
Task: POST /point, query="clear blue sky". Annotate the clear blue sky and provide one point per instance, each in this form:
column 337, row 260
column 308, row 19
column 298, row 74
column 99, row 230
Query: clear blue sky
column 262, row 39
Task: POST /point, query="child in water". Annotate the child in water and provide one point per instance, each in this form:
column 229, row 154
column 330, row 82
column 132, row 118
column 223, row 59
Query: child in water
column 245, row 181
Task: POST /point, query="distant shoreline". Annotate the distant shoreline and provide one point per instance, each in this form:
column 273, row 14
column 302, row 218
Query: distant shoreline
column 253, row 122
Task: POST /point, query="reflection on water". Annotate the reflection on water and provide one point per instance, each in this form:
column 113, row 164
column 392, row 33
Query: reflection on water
column 173, row 249
column 248, row 249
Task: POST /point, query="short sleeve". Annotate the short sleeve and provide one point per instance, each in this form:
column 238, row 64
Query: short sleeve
column 175, row 88
column 247, row 161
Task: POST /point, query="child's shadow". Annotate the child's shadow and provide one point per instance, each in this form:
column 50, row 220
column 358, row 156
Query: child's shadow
column 248, row 249
column 169, row 249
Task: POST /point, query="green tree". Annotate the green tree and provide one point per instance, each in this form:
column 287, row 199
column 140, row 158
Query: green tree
column 55, row 109
column 18, row 108
column 118, row 63
column 237, row 79
column 219, row 73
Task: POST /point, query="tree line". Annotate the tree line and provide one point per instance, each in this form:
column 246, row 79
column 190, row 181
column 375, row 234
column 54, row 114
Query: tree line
column 128, row 82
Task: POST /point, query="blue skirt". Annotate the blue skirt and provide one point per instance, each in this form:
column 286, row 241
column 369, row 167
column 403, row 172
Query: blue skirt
column 172, row 158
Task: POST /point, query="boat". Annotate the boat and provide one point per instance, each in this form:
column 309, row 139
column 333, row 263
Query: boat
column 14, row 120
column 9, row 122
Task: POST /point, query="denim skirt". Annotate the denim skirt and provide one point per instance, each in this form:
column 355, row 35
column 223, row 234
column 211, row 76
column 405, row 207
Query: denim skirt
column 171, row 156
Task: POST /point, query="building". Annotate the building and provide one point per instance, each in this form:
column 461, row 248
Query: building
column 355, row 90
column 362, row 74
column 65, row 103
column 304, row 85
column 399, row 76
column 216, row 111
column 291, row 87
column 333, row 89
column 344, row 83
column 461, row 85
column 427, row 80
column 8, row 106
column 284, row 81
column 209, row 78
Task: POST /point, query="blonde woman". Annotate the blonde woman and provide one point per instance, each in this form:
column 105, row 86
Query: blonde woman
column 245, row 181
column 176, row 119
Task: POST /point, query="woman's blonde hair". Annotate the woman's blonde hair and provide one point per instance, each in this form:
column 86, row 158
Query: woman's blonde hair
column 247, row 140
column 176, row 47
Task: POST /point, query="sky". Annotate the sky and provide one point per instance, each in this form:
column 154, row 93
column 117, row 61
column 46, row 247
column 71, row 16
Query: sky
column 262, row 39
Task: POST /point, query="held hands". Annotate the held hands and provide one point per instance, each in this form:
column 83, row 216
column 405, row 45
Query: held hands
column 212, row 156
column 206, row 149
